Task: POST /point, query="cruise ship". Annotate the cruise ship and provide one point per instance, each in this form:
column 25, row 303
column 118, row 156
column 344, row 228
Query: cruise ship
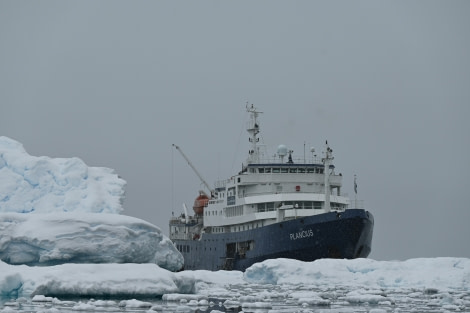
column 283, row 207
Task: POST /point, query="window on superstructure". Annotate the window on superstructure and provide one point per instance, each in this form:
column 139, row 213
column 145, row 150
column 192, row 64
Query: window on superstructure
column 276, row 170
column 311, row 170
column 284, row 170
column 267, row 170
column 293, row 170
column 261, row 170
column 317, row 205
column 301, row 170
column 270, row 206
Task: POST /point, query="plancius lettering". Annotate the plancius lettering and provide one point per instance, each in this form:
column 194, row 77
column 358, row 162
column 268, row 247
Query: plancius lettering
column 301, row 234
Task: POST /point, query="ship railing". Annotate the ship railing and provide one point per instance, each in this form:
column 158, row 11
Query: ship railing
column 181, row 236
column 308, row 159
column 251, row 194
column 182, row 220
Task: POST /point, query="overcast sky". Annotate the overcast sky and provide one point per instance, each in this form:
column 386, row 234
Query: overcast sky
column 387, row 83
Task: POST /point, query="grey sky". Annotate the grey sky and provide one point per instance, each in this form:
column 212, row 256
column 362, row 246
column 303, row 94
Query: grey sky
column 387, row 83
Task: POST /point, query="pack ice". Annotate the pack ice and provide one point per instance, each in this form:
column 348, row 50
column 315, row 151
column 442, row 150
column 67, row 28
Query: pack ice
column 55, row 211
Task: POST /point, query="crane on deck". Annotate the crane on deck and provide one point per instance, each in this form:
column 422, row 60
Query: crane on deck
column 194, row 169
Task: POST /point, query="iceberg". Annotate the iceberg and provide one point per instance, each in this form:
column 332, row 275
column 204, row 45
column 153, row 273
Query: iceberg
column 434, row 273
column 92, row 280
column 30, row 184
column 57, row 238
column 59, row 210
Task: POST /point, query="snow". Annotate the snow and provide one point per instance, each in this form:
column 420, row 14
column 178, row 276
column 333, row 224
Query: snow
column 44, row 184
column 416, row 273
column 56, row 238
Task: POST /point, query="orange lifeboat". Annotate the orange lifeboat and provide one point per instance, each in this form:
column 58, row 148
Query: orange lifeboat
column 201, row 201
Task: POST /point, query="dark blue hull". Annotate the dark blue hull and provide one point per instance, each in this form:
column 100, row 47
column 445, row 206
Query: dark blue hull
column 331, row 235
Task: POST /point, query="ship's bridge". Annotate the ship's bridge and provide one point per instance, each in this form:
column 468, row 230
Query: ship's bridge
column 285, row 168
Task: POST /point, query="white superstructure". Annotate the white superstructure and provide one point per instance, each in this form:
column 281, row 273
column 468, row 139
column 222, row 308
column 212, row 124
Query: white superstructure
column 266, row 191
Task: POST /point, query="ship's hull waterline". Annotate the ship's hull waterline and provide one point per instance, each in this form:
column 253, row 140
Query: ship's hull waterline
column 345, row 234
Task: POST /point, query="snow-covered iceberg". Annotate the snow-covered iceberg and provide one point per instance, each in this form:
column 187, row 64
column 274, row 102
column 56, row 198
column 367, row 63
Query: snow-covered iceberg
column 92, row 280
column 44, row 184
column 56, row 238
column 445, row 272
column 69, row 195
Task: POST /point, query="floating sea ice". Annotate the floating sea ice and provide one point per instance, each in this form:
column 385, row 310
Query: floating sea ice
column 156, row 308
column 231, row 304
column 84, row 307
column 257, row 305
column 355, row 297
column 134, row 304
column 104, row 303
column 42, row 298
column 177, row 297
column 49, row 310
column 309, row 298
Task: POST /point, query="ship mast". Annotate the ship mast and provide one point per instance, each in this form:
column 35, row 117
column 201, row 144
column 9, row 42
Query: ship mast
column 326, row 171
column 253, row 130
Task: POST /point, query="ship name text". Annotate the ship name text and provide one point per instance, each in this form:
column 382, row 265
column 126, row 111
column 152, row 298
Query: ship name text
column 301, row 234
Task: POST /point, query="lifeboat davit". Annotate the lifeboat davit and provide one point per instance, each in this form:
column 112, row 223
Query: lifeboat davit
column 201, row 201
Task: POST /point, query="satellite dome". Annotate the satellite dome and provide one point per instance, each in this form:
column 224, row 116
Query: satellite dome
column 282, row 150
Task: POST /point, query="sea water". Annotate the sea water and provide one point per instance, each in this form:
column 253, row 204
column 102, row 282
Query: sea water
column 262, row 298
